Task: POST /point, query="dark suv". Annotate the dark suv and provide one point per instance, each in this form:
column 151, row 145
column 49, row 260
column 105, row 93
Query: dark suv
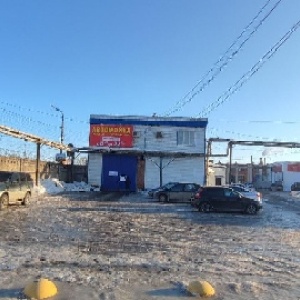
column 15, row 188
column 224, row 199
column 276, row 186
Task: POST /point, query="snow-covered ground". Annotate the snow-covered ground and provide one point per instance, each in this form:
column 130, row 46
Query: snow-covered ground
column 98, row 246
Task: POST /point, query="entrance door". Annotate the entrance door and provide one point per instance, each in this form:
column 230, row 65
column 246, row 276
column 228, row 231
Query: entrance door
column 218, row 181
column 114, row 170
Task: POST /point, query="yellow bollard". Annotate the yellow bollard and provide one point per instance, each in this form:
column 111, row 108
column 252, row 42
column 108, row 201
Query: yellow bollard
column 41, row 289
column 202, row 288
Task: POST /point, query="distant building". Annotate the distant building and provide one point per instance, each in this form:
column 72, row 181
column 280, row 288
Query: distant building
column 150, row 150
column 286, row 172
column 216, row 173
column 261, row 175
column 223, row 173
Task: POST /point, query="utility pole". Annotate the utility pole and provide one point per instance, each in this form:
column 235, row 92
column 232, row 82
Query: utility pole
column 230, row 161
column 252, row 171
column 160, row 170
column 62, row 127
column 206, row 179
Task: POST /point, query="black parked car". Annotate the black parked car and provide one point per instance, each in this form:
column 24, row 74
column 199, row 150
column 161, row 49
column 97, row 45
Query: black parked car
column 209, row 199
column 177, row 192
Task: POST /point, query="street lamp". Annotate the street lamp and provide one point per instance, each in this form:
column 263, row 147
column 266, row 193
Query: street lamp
column 62, row 125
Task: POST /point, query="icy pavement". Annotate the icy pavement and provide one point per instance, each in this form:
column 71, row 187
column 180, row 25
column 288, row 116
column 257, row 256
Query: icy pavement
column 136, row 248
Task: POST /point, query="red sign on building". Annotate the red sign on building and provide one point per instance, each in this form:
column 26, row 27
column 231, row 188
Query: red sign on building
column 114, row 136
column 293, row 167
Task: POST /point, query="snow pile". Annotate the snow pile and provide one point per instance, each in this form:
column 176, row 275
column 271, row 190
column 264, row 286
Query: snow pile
column 295, row 194
column 54, row 186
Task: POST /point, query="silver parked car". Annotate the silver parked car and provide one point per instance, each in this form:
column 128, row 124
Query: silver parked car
column 153, row 192
column 180, row 191
column 15, row 188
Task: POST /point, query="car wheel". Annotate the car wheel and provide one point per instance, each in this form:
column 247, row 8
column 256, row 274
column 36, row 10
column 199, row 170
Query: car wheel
column 4, row 200
column 26, row 200
column 163, row 198
column 251, row 209
column 205, row 207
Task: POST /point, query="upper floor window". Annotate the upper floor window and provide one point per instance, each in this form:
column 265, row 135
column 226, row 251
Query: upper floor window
column 186, row 138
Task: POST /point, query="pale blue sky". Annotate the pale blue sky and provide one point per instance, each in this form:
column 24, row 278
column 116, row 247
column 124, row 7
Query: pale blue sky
column 140, row 57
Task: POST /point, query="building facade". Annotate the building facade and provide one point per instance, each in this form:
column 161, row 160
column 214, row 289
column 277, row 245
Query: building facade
column 286, row 172
column 151, row 151
column 224, row 174
column 216, row 174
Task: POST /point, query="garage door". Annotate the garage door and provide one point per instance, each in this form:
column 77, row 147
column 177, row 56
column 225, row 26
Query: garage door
column 115, row 168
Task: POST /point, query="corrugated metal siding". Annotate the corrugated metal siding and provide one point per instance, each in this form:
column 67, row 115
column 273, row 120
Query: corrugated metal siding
column 94, row 169
column 146, row 139
column 181, row 169
column 152, row 173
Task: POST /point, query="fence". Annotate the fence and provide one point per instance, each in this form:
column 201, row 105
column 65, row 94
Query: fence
column 47, row 169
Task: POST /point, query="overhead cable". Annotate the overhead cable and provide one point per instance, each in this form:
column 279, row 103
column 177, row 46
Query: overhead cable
column 241, row 135
column 41, row 112
column 224, row 60
column 238, row 84
column 280, row 122
column 50, row 128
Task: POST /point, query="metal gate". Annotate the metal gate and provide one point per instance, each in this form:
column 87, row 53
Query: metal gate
column 114, row 170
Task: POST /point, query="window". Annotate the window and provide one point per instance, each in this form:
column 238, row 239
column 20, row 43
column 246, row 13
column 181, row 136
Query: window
column 177, row 188
column 228, row 193
column 189, row 187
column 15, row 177
column 158, row 135
column 237, row 188
column 218, row 181
column 186, row 138
column 24, row 177
column 214, row 192
column 136, row 134
column 241, row 178
column 5, row 176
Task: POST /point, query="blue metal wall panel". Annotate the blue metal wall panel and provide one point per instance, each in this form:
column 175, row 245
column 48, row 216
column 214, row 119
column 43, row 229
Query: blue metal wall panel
column 115, row 166
column 180, row 123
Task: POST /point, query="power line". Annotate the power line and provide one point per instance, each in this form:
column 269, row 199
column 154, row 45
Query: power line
column 41, row 112
column 50, row 128
column 280, row 122
column 225, row 59
column 26, row 118
column 238, row 84
column 213, row 131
